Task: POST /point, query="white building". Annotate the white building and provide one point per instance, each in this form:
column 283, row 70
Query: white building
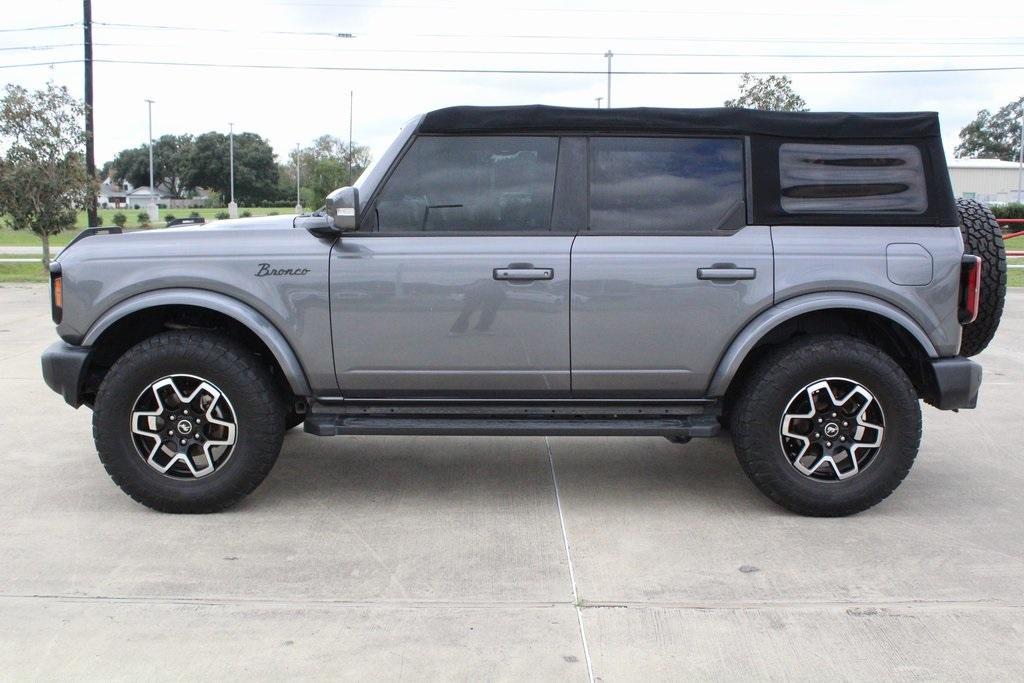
column 990, row 181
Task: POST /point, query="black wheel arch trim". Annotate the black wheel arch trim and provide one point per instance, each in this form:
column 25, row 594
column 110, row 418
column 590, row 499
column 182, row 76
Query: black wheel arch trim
column 246, row 315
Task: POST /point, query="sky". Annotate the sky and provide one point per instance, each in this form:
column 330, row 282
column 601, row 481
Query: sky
column 290, row 106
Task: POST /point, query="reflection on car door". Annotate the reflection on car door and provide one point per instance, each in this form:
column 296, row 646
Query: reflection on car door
column 462, row 289
column 669, row 272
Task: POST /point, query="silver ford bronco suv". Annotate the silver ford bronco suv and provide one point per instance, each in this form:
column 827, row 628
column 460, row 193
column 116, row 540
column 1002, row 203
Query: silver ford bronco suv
column 802, row 280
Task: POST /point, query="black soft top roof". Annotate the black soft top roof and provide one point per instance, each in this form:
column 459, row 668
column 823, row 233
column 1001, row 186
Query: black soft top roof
column 719, row 120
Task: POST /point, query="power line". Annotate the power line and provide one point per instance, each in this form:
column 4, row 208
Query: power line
column 550, row 72
column 1013, row 40
column 554, row 72
column 50, row 63
column 640, row 10
column 40, row 47
column 566, row 53
column 37, row 28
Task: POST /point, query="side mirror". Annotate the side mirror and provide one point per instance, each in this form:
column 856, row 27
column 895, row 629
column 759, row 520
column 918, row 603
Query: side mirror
column 343, row 208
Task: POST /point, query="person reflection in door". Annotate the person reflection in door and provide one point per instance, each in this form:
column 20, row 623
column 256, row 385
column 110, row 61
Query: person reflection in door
column 485, row 296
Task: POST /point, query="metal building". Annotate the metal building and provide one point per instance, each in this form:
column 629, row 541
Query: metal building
column 988, row 180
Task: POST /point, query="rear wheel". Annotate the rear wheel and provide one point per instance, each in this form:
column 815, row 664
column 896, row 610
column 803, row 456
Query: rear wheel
column 982, row 237
column 827, row 425
column 188, row 421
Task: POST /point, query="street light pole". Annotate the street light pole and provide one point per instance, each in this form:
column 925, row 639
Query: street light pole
column 152, row 209
column 598, row 101
column 351, row 99
column 1020, row 167
column 232, row 207
column 298, row 192
column 609, row 55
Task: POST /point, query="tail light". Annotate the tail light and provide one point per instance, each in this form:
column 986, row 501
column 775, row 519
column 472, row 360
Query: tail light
column 56, row 293
column 970, row 288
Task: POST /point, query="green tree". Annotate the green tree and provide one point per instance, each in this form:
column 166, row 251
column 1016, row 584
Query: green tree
column 771, row 93
column 326, row 166
column 255, row 168
column 993, row 136
column 172, row 156
column 43, row 179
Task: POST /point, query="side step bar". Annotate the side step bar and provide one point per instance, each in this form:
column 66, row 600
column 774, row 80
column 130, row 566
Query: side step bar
column 676, row 427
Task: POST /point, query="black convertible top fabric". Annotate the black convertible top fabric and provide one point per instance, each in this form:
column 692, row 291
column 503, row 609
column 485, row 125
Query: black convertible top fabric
column 811, row 125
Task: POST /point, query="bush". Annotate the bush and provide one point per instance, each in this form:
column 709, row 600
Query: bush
column 246, row 214
column 194, row 214
column 168, row 217
column 120, row 219
column 272, row 213
column 142, row 218
column 1008, row 210
column 222, row 215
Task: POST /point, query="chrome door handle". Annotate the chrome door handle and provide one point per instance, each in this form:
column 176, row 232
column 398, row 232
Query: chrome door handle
column 524, row 274
column 726, row 273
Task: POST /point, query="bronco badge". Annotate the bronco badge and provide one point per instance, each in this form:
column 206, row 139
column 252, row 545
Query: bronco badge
column 265, row 270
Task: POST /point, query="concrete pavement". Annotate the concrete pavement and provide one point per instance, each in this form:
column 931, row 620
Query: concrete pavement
column 497, row 558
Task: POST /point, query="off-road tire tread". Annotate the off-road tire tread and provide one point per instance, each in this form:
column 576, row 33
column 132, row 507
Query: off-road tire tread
column 983, row 237
column 266, row 432
column 760, row 461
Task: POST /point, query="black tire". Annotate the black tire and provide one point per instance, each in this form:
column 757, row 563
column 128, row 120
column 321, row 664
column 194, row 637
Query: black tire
column 757, row 421
column 982, row 237
column 242, row 379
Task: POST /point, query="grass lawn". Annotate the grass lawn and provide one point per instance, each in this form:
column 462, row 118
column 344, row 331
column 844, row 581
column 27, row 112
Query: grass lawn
column 1015, row 276
column 22, row 272
column 23, row 238
column 1017, row 243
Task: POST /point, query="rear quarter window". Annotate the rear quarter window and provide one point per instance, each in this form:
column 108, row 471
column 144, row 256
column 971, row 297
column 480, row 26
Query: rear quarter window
column 860, row 179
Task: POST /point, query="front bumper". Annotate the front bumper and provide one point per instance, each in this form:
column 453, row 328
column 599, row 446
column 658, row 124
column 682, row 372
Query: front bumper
column 953, row 383
column 65, row 368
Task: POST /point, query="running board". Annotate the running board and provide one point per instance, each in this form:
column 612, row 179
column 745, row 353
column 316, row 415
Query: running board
column 676, row 427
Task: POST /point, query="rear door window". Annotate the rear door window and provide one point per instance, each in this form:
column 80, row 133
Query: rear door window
column 666, row 185
column 472, row 184
column 864, row 179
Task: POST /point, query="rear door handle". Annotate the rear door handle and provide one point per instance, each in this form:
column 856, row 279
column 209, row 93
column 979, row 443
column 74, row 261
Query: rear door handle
column 726, row 273
column 524, row 274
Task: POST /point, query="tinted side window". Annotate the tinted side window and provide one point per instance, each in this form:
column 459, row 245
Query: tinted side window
column 471, row 184
column 666, row 184
column 852, row 179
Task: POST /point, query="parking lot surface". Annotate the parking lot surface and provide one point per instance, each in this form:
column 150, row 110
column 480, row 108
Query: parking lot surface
column 389, row 558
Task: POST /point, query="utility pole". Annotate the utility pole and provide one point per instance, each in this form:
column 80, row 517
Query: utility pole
column 298, row 193
column 152, row 209
column 598, row 101
column 232, row 207
column 90, row 157
column 1020, row 167
column 609, row 55
column 351, row 99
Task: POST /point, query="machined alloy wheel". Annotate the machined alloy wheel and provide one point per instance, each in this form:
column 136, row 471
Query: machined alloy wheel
column 826, row 425
column 184, row 426
column 188, row 421
column 832, row 429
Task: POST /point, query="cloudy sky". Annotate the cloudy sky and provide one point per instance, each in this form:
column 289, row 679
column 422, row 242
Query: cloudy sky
column 298, row 104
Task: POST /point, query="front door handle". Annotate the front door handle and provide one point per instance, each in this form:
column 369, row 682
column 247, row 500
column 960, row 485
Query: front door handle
column 726, row 273
column 524, row 274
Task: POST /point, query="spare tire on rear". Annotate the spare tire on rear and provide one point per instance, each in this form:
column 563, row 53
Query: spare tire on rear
column 982, row 237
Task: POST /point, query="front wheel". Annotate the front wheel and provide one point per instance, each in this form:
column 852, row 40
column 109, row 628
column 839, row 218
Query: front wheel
column 188, row 422
column 827, row 426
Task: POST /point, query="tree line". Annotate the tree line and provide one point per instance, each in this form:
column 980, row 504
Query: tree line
column 184, row 163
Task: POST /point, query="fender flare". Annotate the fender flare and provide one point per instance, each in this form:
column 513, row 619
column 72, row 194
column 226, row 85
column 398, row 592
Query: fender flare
column 768, row 320
column 220, row 303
